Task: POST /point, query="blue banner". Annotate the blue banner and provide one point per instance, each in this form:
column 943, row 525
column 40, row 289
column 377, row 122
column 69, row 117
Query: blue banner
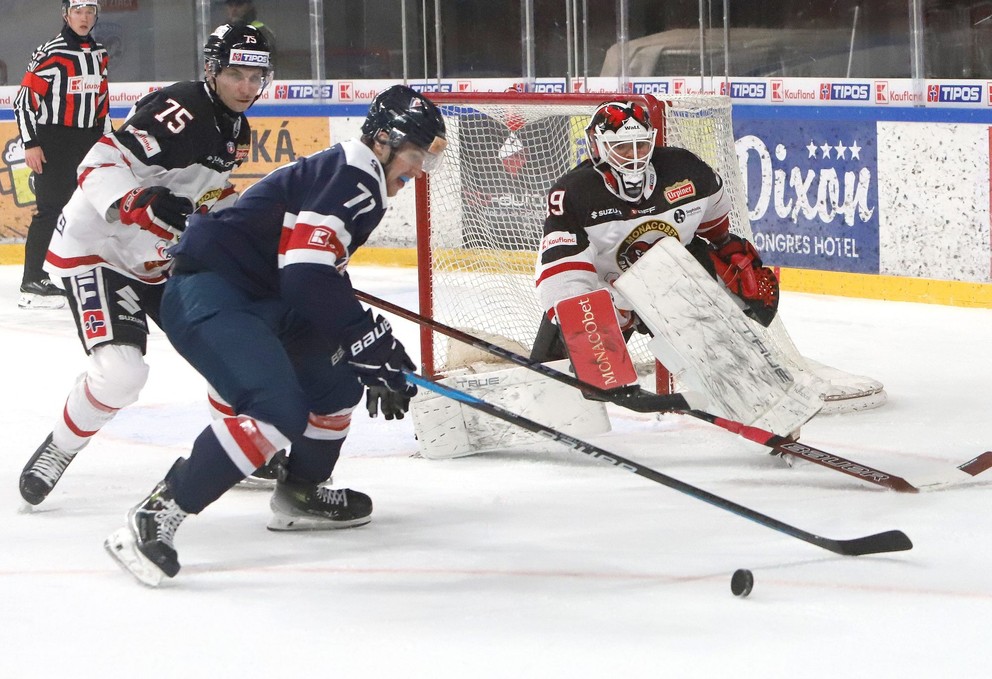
column 812, row 191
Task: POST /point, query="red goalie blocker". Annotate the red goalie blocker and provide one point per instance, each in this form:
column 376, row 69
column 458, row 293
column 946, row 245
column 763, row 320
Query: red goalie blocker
column 596, row 347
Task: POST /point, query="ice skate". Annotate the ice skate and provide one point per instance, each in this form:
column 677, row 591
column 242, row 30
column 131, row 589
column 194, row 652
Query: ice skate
column 43, row 471
column 144, row 547
column 306, row 506
column 41, row 294
column 264, row 478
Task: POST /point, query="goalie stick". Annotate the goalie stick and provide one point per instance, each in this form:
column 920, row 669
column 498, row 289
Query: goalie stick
column 889, row 541
column 638, row 400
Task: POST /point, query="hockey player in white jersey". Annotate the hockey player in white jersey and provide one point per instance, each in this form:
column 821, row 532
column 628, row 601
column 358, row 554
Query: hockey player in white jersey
column 173, row 155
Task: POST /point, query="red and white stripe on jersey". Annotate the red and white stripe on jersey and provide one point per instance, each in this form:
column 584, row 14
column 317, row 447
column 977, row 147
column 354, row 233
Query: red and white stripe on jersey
column 248, row 443
column 219, row 408
column 313, row 238
column 564, row 278
column 331, row 427
column 319, row 427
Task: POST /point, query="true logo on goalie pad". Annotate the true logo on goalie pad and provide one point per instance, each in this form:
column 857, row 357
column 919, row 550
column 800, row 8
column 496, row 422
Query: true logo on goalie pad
column 590, row 330
column 446, row 428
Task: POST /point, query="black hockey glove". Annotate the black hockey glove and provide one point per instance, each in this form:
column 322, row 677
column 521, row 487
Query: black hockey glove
column 391, row 403
column 155, row 206
column 377, row 357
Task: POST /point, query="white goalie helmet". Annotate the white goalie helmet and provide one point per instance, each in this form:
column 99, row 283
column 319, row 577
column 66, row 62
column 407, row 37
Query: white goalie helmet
column 621, row 143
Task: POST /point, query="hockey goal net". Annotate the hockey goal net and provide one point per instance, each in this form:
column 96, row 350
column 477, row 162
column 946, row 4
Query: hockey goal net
column 480, row 218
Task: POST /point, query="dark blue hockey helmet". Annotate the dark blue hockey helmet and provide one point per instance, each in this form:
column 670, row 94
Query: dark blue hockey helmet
column 400, row 114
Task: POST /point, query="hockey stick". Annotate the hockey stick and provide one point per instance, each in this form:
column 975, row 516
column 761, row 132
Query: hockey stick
column 889, row 541
column 639, row 400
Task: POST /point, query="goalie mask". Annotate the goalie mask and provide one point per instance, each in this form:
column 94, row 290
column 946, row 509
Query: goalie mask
column 400, row 114
column 238, row 45
column 621, row 143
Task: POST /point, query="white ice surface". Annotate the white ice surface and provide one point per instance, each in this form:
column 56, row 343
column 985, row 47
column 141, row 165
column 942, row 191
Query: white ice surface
column 526, row 564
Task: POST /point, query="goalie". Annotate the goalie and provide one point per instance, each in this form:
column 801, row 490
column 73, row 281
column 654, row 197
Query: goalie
column 604, row 220
column 600, row 279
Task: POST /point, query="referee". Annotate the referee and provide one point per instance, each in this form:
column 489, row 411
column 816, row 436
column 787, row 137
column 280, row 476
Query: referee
column 61, row 111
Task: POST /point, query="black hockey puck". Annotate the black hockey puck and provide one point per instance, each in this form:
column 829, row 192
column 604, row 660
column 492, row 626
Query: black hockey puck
column 742, row 582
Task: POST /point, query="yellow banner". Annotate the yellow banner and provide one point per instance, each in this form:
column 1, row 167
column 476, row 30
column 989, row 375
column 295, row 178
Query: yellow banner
column 275, row 142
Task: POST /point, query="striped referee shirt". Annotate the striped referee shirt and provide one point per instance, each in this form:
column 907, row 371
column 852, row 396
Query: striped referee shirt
column 65, row 84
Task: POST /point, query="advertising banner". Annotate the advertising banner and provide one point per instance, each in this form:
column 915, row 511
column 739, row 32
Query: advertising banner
column 274, row 142
column 16, row 186
column 812, row 192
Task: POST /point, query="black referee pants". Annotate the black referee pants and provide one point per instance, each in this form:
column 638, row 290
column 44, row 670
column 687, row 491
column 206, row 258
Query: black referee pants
column 64, row 149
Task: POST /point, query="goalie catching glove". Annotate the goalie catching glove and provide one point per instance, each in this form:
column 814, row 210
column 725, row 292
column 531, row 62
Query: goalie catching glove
column 738, row 264
column 155, row 206
column 379, row 361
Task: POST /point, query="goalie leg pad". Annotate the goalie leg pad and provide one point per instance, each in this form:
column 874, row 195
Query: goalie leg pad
column 447, row 428
column 699, row 330
column 591, row 331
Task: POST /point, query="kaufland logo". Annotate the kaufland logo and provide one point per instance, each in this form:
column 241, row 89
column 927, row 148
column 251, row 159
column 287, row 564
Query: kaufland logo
column 347, row 92
column 989, row 98
column 651, row 87
column 881, row 91
column 845, row 92
column 954, row 94
column 325, row 91
column 747, row 90
column 778, row 93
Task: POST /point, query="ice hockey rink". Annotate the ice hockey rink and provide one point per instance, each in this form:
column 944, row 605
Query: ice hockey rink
column 540, row 563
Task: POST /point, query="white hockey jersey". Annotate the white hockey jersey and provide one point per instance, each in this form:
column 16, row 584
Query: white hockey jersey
column 178, row 137
column 591, row 236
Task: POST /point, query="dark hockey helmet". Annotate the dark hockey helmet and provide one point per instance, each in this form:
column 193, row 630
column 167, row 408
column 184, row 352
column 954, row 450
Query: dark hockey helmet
column 400, row 114
column 621, row 138
column 238, row 45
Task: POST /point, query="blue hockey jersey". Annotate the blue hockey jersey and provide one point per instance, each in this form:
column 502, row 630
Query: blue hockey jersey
column 291, row 235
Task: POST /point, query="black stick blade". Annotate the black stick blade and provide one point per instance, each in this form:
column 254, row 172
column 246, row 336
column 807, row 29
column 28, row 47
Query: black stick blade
column 889, row 541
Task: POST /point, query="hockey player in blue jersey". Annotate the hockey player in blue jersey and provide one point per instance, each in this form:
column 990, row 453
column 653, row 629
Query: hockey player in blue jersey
column 260, row 303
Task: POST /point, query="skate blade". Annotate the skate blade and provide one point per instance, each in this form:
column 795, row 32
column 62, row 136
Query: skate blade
column 122, row 547
column 283, row 522
column 255, row 483
column 28, row 301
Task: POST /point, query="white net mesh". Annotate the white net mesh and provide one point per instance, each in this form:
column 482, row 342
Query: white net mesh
column 483, row 216
column 486, row 206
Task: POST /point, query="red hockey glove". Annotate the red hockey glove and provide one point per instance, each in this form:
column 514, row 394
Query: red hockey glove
column 737, row 262
column 155, row 207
